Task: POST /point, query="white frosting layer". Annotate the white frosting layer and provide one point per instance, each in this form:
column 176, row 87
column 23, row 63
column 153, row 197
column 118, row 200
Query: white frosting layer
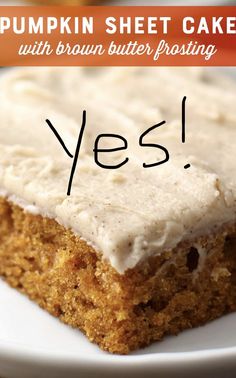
column 130, row 213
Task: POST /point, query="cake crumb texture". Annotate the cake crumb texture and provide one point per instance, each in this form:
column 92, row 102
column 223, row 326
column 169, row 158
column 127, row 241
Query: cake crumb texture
column 182, row 288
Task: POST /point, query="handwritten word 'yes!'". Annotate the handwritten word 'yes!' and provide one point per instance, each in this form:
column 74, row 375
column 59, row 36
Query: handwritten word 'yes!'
column 97, row 151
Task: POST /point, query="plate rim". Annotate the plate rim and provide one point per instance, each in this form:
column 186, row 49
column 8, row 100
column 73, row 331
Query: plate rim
column 20, row 352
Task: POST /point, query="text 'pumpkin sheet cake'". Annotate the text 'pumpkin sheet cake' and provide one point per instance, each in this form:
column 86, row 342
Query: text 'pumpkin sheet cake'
column 133, row 253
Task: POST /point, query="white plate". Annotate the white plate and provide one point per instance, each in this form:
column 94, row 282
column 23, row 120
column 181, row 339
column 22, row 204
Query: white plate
column 33, row 344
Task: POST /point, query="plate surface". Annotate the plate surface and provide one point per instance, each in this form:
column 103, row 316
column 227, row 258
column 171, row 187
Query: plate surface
column 34, row 344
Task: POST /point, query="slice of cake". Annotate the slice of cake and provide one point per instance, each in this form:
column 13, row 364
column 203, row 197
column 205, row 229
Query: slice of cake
column 133, row 253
